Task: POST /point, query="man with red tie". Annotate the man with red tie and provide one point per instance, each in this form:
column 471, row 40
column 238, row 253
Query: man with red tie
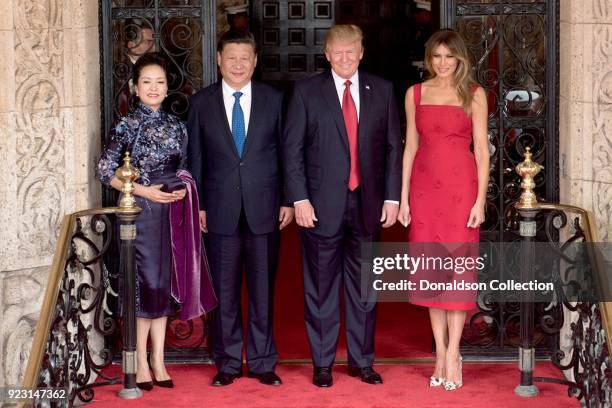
column 342, row 156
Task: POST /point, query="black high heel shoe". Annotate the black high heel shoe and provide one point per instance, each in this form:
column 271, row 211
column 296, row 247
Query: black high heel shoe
column 163, row 383
column 145, row 386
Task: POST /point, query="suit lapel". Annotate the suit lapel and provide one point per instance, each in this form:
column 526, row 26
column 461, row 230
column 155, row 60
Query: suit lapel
column 223, row 120
column 365, row 95
column 331, row 97
column 258, row 111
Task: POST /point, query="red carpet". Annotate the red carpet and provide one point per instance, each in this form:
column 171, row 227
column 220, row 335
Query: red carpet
column 486, row 385
column 402, row 330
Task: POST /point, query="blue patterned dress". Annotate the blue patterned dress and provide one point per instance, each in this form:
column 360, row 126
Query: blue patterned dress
column 156, row 142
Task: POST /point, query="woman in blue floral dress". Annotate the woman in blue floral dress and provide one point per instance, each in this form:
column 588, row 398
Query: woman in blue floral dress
column 156, row 142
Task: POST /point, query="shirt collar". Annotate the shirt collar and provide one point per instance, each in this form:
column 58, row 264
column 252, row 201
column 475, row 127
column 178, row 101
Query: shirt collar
column 133, row 58
column 339, row 81
column 228, row 90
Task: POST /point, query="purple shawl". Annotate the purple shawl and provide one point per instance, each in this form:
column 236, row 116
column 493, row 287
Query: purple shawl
column 191, row 282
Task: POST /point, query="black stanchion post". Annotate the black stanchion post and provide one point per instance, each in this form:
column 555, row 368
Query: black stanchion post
column 527, row 207
column 127, row 213
column 526, row 349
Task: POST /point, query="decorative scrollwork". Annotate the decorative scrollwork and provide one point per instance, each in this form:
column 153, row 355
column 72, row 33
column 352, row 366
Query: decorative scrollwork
column 590, row 362
column 181, row 336
column 509, row 45
column 177, row 33
column 82, row 313
column 588, row 359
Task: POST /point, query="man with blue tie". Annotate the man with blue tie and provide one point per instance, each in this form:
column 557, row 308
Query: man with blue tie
column 234, row 155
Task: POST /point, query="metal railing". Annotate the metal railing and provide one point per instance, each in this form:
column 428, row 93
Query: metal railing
column 75, row 308
column 589, row 367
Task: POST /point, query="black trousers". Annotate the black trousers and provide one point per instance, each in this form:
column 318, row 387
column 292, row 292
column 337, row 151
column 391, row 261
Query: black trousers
column 330, row 263
column 257, row 255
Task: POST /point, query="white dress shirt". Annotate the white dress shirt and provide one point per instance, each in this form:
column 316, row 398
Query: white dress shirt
column 245, row 102
column 339, row 82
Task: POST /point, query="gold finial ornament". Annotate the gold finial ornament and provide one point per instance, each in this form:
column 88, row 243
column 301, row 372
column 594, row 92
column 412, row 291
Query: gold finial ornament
column 127, row 174
column 528, row 169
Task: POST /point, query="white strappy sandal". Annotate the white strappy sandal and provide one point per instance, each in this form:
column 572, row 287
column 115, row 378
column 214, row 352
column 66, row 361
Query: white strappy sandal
column 452, row 386
column 436, row 381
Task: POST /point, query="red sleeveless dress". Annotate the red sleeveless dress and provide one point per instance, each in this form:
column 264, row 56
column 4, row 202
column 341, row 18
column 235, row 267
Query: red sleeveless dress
column 443, row 185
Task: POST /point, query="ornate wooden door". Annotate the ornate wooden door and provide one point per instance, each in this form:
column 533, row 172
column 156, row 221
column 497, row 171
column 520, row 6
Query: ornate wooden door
column 290, row 35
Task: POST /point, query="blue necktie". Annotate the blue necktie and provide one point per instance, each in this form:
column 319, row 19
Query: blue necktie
column 238, row 130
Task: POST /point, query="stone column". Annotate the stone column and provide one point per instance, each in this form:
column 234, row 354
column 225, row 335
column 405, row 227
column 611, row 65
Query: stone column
column 49, row 138
column 586, row 109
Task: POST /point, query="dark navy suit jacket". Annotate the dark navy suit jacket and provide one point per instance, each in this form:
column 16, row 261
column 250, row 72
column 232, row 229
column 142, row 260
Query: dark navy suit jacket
column 316, row 150
column 227, row 183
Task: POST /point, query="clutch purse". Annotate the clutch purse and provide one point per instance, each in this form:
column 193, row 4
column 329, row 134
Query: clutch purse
column 172, row 185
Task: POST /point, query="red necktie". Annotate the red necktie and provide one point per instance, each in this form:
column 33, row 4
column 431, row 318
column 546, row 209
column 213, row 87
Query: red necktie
column 349, row 113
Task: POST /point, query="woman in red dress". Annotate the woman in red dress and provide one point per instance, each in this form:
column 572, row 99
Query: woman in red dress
column 444, row 183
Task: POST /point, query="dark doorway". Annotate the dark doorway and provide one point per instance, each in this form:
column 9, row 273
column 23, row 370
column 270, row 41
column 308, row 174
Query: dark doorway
column 290, row 35
column 395, row 32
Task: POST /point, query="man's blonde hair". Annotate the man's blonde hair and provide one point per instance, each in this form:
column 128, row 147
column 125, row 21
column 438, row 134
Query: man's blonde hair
column 344, row 32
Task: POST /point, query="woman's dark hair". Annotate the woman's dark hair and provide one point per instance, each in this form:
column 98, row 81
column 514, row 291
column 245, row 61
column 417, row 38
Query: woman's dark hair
column 152, row 58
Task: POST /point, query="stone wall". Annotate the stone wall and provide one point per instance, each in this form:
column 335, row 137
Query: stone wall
column 586, row 109
column 49, row 137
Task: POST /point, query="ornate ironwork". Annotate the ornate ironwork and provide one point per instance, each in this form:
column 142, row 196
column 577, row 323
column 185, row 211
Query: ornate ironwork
column 82, row 303
column 188, row 341
column 183, row 34
column 150, row 14
column 577, row 269
column 514, row 46
column 588, row 360
column 467, row 9
column 81, row 314
column 514, row 61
